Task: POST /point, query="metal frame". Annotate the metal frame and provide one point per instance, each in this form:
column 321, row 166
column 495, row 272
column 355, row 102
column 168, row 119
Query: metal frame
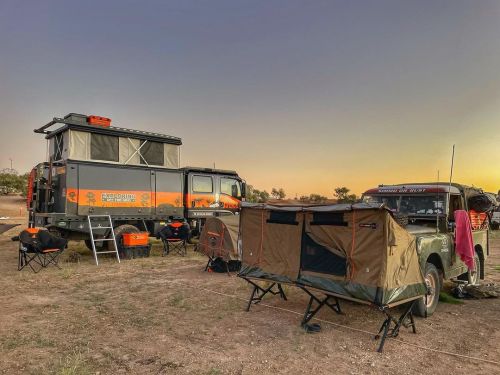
column 310, row 311
column 259, row 292
column 405, row 319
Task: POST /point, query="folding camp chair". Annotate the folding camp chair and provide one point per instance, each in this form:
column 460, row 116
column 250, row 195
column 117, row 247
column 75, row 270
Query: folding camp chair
column 174, row 236
column 39, row 247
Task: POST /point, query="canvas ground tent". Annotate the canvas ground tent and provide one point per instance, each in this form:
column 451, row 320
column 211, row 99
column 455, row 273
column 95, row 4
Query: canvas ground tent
column 219, row 242
column 355, row 252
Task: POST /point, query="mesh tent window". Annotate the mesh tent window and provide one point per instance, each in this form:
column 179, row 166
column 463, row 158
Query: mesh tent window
column 152, row 153
column 104, row 147
column 317, row 258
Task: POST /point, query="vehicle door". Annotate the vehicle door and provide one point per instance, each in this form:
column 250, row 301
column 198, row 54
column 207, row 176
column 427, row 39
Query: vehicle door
column 201, row 196
column 230, row 196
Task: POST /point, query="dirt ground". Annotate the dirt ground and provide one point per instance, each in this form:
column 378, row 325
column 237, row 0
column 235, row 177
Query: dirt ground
column 164, row 315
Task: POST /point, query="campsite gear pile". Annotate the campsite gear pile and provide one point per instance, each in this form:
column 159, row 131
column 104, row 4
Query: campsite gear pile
column 463, row 290
column 174, row 236
column 38, row 249
column 352, row 252
column 135, row 245
column 219, row 242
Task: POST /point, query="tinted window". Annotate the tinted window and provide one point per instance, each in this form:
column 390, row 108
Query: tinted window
column 104, row 147
column 230, row 186
column 202, row 184
column 152, row 153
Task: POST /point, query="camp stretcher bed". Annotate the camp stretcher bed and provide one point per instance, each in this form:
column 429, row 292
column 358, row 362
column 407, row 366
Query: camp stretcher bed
column 390, row 326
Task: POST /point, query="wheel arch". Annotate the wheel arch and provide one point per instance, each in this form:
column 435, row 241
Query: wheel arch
column 435, row 259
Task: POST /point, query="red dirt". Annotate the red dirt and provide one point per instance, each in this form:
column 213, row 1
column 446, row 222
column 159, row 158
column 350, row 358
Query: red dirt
column 157, row 315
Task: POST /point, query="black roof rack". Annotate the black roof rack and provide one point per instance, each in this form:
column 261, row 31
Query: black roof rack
column 79, row 122
column 209, row 170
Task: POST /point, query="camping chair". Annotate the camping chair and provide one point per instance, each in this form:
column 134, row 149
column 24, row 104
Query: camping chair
column 174, row 236
column 38, row 247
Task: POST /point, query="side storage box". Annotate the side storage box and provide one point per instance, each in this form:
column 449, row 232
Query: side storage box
column 135, row 239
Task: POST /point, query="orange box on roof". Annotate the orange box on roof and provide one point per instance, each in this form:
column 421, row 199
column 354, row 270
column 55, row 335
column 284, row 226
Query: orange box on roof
column 98, row 120
column 136, row 239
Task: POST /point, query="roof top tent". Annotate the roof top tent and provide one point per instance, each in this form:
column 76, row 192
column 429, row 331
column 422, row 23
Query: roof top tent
column 92, row 138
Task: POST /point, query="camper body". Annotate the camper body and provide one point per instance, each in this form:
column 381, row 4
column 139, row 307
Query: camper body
column 427, row 212
column 132, row 176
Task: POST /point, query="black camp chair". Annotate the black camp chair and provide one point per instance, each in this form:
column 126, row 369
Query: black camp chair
column 174, row 236
column 39, row 247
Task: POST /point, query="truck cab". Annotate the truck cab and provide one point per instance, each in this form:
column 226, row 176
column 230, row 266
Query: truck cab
column 211, row 192
column 427, row 211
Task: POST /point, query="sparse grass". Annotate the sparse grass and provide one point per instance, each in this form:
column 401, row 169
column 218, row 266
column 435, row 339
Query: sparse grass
column 178, row 300
column 447, row 298
column 497, row 267
column 214, row 371
column 66, row 273
column 74, row 364
column 22, row 340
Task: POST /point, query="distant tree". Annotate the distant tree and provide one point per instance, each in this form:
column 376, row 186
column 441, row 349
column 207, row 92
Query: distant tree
column 13, row 183
column 342, row 195
column 314, row 198
column 317, row 198
column 278, row 193
column 256, row 196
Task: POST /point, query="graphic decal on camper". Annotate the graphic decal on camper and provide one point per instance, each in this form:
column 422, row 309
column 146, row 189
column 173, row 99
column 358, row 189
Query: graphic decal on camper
column 123, row 199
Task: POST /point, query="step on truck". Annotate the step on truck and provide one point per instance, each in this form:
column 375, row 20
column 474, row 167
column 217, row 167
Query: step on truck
column 427, row 211
column 134, row 176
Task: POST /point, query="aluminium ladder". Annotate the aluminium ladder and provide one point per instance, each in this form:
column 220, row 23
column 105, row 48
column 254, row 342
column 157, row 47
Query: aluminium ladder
column 94, row 240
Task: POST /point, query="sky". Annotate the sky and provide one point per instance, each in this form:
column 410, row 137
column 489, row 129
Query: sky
column 303, row 95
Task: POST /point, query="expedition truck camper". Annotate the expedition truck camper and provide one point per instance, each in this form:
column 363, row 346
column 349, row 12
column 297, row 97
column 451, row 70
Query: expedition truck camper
column 132, row 176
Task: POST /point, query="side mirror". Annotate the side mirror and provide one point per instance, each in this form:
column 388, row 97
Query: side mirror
column 243, row 189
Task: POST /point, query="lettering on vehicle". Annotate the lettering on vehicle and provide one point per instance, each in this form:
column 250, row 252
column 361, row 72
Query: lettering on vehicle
column 402, row 190
column 118, row 197
column 444, row 245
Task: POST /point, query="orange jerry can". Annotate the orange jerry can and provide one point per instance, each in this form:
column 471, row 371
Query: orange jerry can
column 136, row 239
column 100, row 121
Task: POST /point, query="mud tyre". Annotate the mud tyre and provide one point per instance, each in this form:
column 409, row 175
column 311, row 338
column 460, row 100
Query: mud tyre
column 426, row 306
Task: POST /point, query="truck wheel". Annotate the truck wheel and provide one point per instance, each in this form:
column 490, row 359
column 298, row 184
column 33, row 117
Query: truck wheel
column 427, row 305
column 119, row 232
column 472, row 277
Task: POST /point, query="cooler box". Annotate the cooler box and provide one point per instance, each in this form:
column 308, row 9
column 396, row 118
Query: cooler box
column 135, row 239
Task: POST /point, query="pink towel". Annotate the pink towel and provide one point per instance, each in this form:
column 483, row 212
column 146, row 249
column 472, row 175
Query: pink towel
column 464, row 245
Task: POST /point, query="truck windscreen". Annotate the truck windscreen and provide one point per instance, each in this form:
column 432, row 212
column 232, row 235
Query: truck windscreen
column 410, row 204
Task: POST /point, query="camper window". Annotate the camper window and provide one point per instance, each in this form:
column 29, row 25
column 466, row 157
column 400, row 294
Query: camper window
column 104, row 147
column 231, row 187
column 202, row 184
column 152, row 153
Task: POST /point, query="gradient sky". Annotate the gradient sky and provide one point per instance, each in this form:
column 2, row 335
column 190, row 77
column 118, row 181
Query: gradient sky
column 304, row 95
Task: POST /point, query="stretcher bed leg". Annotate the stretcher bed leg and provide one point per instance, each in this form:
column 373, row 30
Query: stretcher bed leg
column 259, row 292
column 311, row 312
column 405, row 319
